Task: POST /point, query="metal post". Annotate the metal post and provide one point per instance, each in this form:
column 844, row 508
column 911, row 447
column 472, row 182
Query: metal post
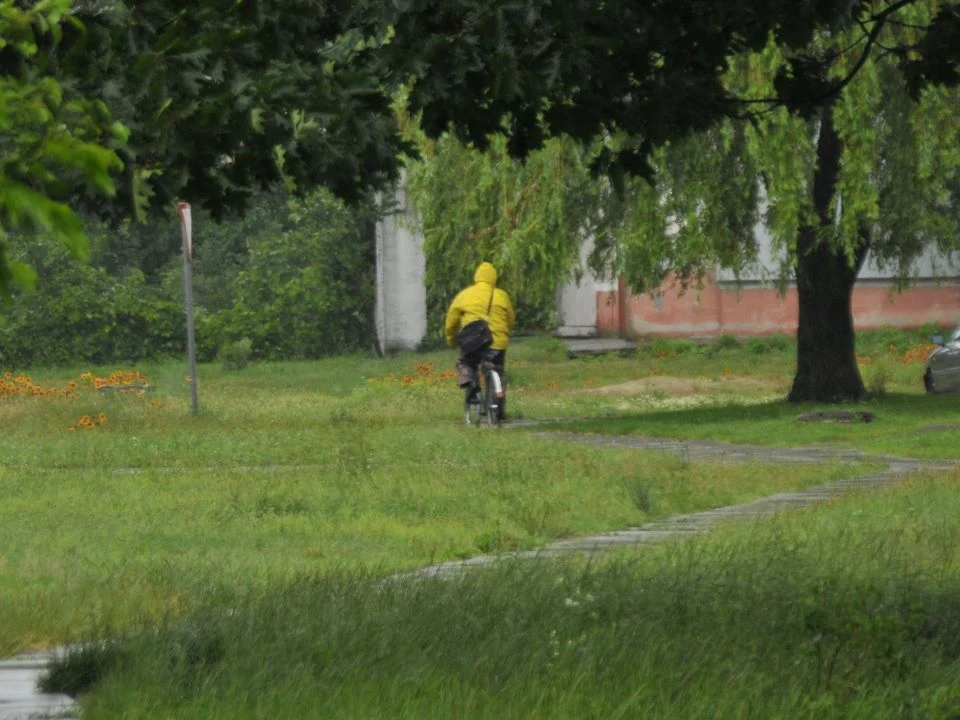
column 186, row 232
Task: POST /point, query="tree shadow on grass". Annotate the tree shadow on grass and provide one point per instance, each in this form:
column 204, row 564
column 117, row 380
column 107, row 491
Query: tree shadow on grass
column 896, row 418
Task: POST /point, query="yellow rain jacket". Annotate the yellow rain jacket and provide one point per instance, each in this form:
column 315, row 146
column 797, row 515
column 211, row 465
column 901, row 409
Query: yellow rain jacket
column 471, row 304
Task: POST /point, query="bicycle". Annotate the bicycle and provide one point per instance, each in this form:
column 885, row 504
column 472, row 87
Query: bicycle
column 484, row 398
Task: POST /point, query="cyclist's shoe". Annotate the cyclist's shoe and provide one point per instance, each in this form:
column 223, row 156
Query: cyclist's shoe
column 472, row 393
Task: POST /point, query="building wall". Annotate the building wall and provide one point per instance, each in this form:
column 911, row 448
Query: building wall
column 753, row 304
column 723, row 308
column 577, row 300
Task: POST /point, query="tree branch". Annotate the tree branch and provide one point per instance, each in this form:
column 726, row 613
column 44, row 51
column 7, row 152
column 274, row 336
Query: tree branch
column 879, row 21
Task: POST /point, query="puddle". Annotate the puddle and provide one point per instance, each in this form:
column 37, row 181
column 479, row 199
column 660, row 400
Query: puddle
column 19, row 698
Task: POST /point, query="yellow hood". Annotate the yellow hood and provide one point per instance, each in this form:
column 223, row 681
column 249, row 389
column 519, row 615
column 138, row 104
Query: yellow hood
column 486, row 273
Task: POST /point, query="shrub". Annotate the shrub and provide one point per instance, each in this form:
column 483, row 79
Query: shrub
column 770, row 344
column 236, row 355
column 658, row 348
column 80, row 313
column 877, row 382
column 727, row 342
column 307, row 291
column 683, row 346
column 293, row 278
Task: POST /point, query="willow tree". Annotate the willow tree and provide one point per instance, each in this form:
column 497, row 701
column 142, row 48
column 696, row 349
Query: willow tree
column 641, row 76
column 872, row 170
column 529, row 219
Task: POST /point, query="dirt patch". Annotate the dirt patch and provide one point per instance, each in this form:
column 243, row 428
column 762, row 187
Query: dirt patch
column 670, row 385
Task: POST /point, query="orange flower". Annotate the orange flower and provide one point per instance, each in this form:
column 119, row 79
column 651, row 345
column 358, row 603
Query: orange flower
column 918, row 354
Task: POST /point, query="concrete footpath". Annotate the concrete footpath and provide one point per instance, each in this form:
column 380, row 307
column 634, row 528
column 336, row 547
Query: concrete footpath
column 579, row 347
column 19, row 699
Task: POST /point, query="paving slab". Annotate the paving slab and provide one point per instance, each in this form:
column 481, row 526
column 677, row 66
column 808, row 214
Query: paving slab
column 577, row 347
column 19, row 697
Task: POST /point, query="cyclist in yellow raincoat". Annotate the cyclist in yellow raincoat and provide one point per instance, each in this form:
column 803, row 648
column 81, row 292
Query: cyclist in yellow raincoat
column 471, row 304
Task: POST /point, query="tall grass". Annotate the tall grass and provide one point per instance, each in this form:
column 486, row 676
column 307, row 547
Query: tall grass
column 849, row 611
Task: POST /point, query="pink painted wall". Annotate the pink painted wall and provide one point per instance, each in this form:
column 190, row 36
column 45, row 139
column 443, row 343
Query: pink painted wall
column 719, row 309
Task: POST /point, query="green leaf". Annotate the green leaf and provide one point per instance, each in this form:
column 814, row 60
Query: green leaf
column 23, row 275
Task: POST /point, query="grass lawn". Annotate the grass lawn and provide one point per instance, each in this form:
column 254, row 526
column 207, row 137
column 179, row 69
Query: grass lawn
column 703, row 404
column 301, row 485
column 848, row 610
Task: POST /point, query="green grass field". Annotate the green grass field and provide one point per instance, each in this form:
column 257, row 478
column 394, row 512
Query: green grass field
column 845, row 611
column 244, row 550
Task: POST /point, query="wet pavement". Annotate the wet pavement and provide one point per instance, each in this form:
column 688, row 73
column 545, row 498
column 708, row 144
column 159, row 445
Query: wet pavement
column 19, row 699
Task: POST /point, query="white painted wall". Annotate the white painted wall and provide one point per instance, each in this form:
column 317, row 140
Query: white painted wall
column 401, row 308
column 577, row 300
column 931, row 266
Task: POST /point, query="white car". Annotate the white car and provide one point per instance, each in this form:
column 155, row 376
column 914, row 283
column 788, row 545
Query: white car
column 943, row 365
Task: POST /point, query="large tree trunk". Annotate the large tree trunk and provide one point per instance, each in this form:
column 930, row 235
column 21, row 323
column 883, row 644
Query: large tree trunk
column 826, row 360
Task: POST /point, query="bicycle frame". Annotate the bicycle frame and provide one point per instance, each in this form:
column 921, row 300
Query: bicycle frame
column 488, row 396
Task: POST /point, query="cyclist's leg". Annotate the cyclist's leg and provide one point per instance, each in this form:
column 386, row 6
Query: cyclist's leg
column 500, row 362
column 467, row 372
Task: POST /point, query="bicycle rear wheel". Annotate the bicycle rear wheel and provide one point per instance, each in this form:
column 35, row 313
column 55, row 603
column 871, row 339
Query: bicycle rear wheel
column 492, row 394
column 472, row 406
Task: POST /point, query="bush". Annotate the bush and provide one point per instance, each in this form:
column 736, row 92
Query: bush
column 658, row 348
column 726, row 342
column 80, row 313
column 306, row 292
column 294, row 279
column 683, row 346
column 236, row 355
column 766, row 345
column 877, row 382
